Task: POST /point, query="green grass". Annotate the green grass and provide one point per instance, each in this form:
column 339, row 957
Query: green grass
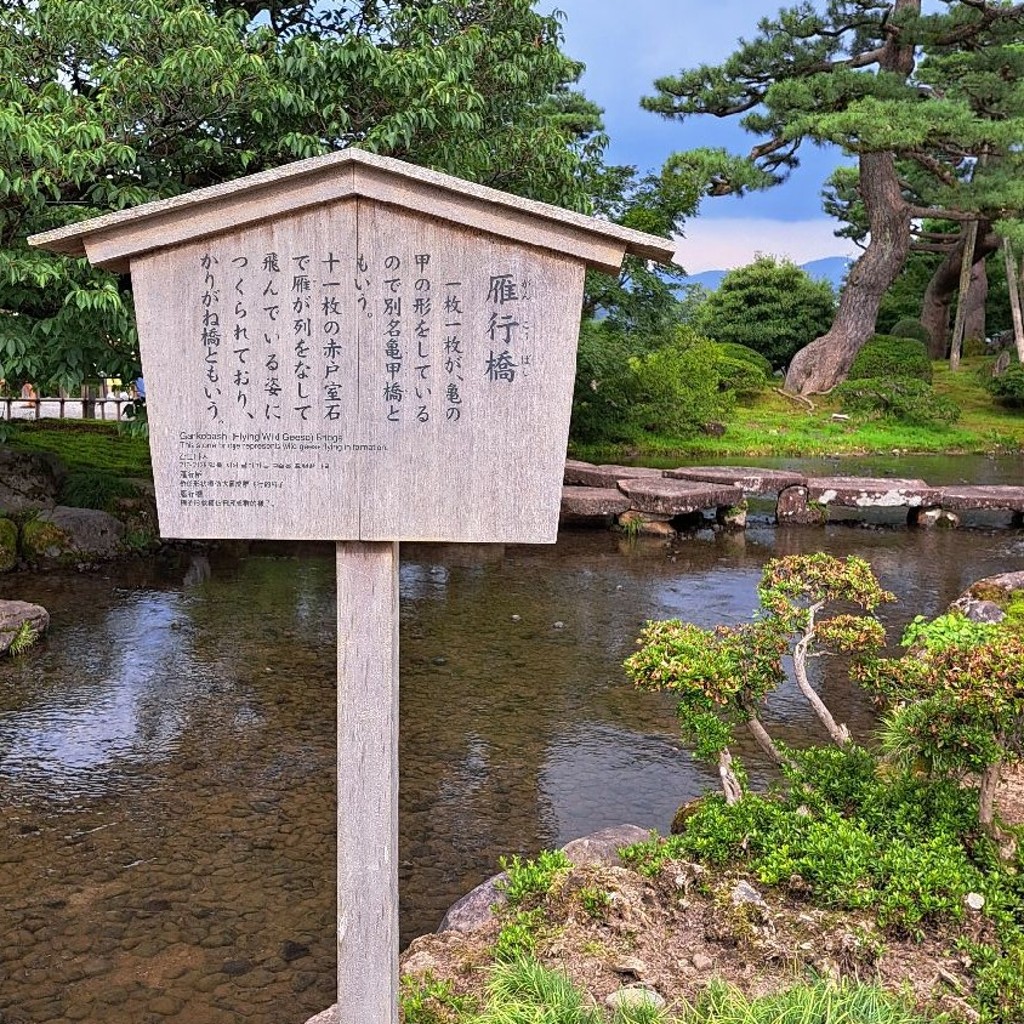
column 83, row 445
column 525, row 992
column 773, row 425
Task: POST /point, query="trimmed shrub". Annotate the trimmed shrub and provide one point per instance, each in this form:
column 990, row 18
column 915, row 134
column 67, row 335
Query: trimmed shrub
column 1008, row 388
column 625, row 390
column 740, row 376
column 745, row 354
column 906, row 400
column 909, row 327
column 886, row 357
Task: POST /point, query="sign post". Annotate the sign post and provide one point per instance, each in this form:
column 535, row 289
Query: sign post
column 354, row 349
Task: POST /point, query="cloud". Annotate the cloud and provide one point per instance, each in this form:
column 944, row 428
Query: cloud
column 723, row 243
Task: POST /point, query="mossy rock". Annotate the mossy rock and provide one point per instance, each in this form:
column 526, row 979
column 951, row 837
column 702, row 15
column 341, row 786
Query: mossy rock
column 43, row 541
column 994, row 598
column 8, row 544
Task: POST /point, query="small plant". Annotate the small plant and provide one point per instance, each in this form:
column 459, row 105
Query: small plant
column 24, row 637
column 823, row 1001
column 529, row 880
column 428, row 1000
column 595, row 901
column 517, row 937
column 522, row 991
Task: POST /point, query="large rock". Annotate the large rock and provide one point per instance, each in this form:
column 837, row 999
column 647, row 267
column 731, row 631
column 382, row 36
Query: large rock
column 28, row 481
column 473, row 911
column 15, row 614
column 986, row 600
column 65, row 536
column 601, row 849
column 984, row 498
column 584, row 475
column 326, row 1017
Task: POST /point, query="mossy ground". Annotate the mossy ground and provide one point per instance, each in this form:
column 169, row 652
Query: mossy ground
column 84, row 445
column 8, row 544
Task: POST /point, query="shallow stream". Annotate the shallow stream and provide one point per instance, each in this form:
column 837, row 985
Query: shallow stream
column 167, row 751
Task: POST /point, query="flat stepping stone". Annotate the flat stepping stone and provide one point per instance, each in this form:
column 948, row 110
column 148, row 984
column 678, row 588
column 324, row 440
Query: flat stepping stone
column 869, row 492
column 572, row 468
column 593, row 501
column 608, row 476
column 678, row 497
column 982, row 497
column 751, row 479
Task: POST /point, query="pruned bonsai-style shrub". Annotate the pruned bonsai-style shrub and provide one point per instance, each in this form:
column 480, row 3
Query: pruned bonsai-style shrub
column 722, row 676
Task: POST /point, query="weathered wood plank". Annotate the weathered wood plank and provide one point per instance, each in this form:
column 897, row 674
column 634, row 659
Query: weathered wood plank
column 367, row 583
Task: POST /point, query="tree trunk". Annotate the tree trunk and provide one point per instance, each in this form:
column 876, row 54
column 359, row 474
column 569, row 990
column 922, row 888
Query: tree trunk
column 987, row 797
column 966, row 263
column 977, row 300
column 938, row 296
column 730, row 784
column 839, row 733
column 823, row 363
column 1013, row 284
column 764, row 741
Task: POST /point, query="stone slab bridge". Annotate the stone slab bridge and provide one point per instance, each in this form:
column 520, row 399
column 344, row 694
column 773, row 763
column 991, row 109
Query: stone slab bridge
column 660, row 502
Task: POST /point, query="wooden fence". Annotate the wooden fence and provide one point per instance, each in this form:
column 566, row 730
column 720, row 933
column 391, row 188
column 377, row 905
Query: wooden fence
column 63, row 408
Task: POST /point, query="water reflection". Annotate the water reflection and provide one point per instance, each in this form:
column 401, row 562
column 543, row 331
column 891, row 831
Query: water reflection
column 167, row 752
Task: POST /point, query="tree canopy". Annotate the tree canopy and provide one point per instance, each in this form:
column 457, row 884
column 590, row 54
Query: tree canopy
column 919, row 100
column 771, row 306
column 108, row 103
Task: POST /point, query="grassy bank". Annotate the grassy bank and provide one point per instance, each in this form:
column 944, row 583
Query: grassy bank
column 82, row 445
column 776, row 425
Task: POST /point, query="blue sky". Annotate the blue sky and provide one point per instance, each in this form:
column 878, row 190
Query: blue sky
column 626, row 44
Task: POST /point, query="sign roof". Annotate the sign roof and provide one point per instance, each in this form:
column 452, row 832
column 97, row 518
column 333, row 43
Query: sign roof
column 112, row 240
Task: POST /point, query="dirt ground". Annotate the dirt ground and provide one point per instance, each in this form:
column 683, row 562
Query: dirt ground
column 675, row 932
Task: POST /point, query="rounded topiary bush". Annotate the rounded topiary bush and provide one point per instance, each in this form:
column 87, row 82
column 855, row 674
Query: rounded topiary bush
column 1008, row 387
column 745, row 354
column 887, row 357
column 908, row 327
column 902, row 399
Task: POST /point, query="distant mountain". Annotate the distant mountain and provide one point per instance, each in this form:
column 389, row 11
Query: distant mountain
column 831, row 268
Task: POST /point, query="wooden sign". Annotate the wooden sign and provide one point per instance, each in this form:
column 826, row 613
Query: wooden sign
column 356, row 349
column 353, row 348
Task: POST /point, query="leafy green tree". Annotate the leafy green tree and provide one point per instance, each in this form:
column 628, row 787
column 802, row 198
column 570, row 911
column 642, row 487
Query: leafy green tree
column 956, row 701
column 846, row 75
column 771, row 306
column 108, row 103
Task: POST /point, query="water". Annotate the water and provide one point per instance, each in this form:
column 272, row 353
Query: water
column 166, row 753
